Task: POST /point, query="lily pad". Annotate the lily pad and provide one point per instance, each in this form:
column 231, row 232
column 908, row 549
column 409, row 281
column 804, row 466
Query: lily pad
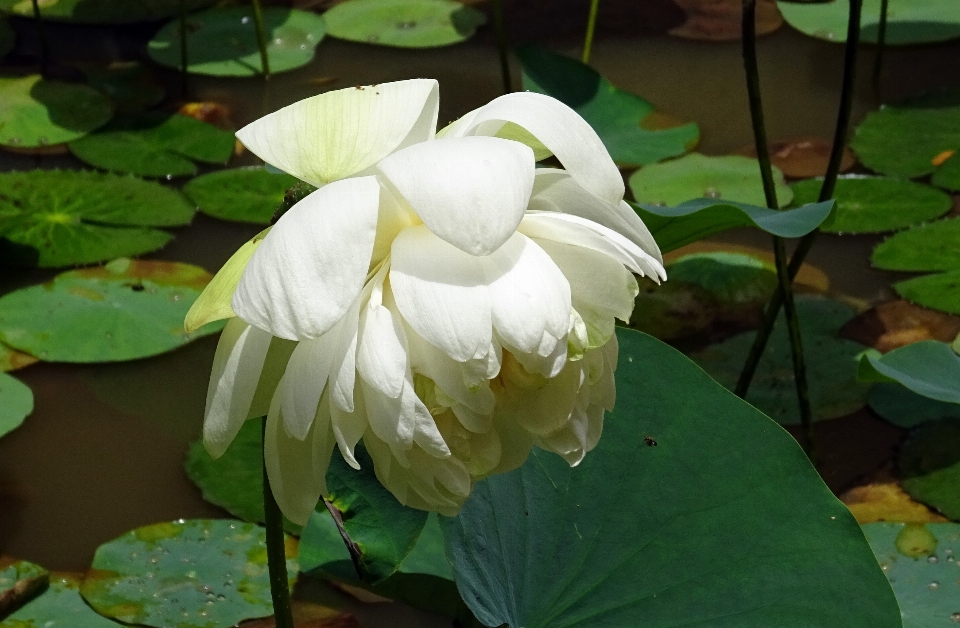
column 36, row 112
column 713, row 20
column 60, row 606
column 834, row 389
column 16, row 403
column 732, row 178
column 631, row 129
column 155, row 145
column 198, row 573
column 875, row 204
column 241, row 194
column 722, row 522
column 908, row 21
column 13, row 571
column 126, row 310
column 928, row 368
column 128, row 84
column 947, row 174
column 223, row 41
column 925, row 586
column 403, row 23
column 59, row 218
column 101, row 11
column 802, row 157
column 884, row 500
column 940, row 292
column 901, row 406
column 11, row 359
column 7, row 37
column 930, row 466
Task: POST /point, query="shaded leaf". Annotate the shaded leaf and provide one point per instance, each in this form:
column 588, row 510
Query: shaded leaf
column 929, row 465
column 929, row 368
column 60, row 606
column 941, row 292
column 16, row 403
column 129, row 85
column 8, row 38
column 241, row 194
column 40, row 112
column 908, row 21
column 101, row 11
column 899, row 323
column 901, row 406
column 403, row 23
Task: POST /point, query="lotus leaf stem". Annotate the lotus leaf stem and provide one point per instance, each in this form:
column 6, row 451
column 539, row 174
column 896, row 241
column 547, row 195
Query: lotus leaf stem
column 276, row 552
column 42, row 34
column 499, row 27
column 261, row 41
column 591, row 27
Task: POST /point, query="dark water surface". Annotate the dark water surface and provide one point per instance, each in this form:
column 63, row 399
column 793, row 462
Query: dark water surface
column 103, row 451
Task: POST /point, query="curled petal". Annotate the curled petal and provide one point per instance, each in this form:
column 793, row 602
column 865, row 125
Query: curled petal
column 348, row 428
column 304, row 381
column 313, row 263
column 341, row 133
column 382, row 349
column 470, row 191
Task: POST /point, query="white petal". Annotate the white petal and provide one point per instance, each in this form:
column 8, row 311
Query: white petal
column 382, row 350
column 470, row 191
column 441, row 292
column 313, row 263
column 348, row 429
column 338, row 134
column 559, row 128
column 392, row 419
column 343, row 371
column 304, row 381
column 233, row 382
column 556, row 191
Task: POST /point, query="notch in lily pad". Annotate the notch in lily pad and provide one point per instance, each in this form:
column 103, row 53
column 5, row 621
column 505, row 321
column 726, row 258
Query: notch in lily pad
column 39, row 112
column 403, row 23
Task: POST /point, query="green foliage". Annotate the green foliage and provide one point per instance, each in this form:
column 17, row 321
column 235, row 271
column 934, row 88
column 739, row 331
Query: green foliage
column 59, row 606
column 940, row 292
column 7, row 37
column 901, row 406
column 875, row 204
column 16, row 403
column 632, row 131
column 928, row 247
column 223, row 41
column 930, row 466
column 929, row 368
column 101, row 11
column 403, row 23
column 11, row 573
column 155, row 145
column 731, row 177
column 241, row 194
column 198, row 573
column 908, row 21
column 126, row 310
column 722, row 522
column 40, row 112
column 128, row 84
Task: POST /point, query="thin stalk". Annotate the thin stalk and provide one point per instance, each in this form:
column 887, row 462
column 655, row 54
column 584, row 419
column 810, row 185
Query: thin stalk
column 501, row 31
column 276, row 552
column 826, row 193
column 261, row 39
column 770, row 193
column 591, row 27
column 881, row 47
column 42, row 33
column 184, row 62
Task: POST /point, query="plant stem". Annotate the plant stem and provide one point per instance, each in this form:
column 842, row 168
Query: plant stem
column 42, row 33
column 881, row 47
column 184, row 62
column 770, row 193
column 276, row 552
column 826, row 192
column 261, row 39
column 591, row 27
column 501, row 31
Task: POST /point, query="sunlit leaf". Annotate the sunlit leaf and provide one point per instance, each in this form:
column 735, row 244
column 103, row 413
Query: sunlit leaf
column 403, row 23
column 886, row 501
column 101, row 11
column 16, row 403
column 241, row 194
column 929, row 465
column 11, row 359
column 908, row 21
column 198, row 573
column 223, row 41
column 40, row 112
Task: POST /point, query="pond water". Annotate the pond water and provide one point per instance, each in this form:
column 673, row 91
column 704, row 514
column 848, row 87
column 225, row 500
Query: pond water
column 103, row 451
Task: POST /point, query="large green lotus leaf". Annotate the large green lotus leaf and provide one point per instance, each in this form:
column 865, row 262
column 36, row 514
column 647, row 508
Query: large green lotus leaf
column 39, row 112
column 875, row 204
column 911, row 139
column 901, row 406
column 908, row 21
column 128, row 84
column 241, row 194
column 59, row 606
column 101, row 11
column 155, row 145
column 932, row 246
column 673, row 227
column 126, row 310
column 939, row 292
column 929, row 368
column 403, row 23
column 633, row 132
column 920, row 561
column 930, row 466
column 948, row 174
column 223, row 42
column 834, row 389
column 16, row 403
column 693, row 510
column 198, row 573
column 70, row 217
column 7, row 37
column 731, row 177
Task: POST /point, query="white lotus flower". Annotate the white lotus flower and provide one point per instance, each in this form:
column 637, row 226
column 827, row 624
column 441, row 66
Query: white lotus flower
column 438, row 297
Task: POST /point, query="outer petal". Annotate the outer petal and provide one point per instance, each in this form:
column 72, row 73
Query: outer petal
column 559, row 128
column 348, row 429
column 312, row 265
column 338, row 134
column 441, row 292
column 382, row 349
column 304, row 381
column 470, row 191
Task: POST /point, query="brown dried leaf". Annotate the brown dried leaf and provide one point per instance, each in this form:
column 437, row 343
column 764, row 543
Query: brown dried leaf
column 215, row 113
column 883, row 500
column 309, row 615
column 899, row 323
column 367, row 597
column 802, row 157
column 720, row 20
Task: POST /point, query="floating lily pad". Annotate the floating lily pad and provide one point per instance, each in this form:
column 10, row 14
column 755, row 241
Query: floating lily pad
column 633, row 132
column 223, row 42
column 16, row 403
column 884, row 500
column 11, row 359
column 929, row 368
column 940, row 292
column 241, row 194
column 713, row 20
column 13, row 571
column 101, row 11
column 802, row 157
column 930, row 466
column 905, row 408
column 198, row 573
column 732, row 178
column 60, row 606
column 126, row 310
column 62, row 218
column 875, row 204
column 926, row 247
column 673, row 309
column 908, row 21
column 7, row 37
column 912, row 139
column 128, row 84
column 403, row 23
column 38, row 112
column 834, row 389
column 947, row 175
column 155, row 145
column 926, row 585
